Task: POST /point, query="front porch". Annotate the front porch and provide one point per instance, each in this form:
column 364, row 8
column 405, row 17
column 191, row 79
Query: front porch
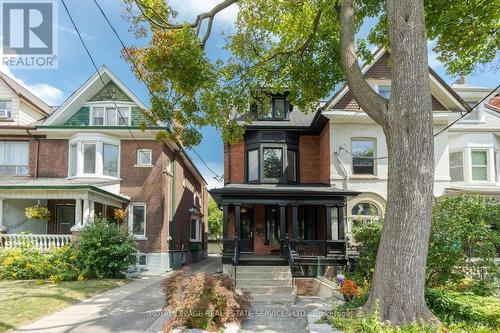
column 283, row 225
column 71, row 205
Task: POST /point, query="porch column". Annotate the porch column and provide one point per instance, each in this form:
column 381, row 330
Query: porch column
column 92, row 208
column 295, row 222
column 341, row 223
column 237, row 220
column 3, row 228
column 86, row 211
column 224, row 221
column 78, row 214
column 329, row 210
column 282, row 221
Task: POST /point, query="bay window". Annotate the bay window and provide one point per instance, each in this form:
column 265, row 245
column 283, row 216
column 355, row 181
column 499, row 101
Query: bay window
column 110, row 159
column 89, row 158
column 253, row 165
column 272, row 163
column 14, row 158
column 479, row 164
column 73, row 154
column 94, row 156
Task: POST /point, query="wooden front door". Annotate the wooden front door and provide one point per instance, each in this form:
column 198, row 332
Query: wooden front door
column 246, row 219
column 65, row 217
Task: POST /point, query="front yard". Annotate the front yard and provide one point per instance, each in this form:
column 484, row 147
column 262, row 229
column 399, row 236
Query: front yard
column 22, row 302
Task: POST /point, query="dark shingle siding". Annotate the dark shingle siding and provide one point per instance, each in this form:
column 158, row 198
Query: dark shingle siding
column 80, row 118
column 116, row 92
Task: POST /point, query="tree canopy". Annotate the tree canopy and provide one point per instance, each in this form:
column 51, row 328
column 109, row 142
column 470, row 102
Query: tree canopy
column 280, row 45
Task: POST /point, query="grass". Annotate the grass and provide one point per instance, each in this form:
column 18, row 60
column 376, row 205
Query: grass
column 22, row 302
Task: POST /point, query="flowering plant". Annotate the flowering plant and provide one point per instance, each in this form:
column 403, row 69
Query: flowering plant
column 37, row 212
column 349, row 289
column 119, row 214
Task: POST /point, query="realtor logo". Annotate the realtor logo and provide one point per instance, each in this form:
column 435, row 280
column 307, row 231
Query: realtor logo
column 28, row 32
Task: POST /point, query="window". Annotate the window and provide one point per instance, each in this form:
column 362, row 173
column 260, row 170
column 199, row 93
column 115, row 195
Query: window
column 73, row 154
column 14, row 158
column 144, row 157
column 272, row 163
column 5, row 108
column 363, row 157
column 89, row 158
column 138, row 216
column 384, row 91
column 110, row 156
column 365, row 209
column 111, row 116
column 98, row 116
column 479, row 159
column 195, row 230
column 291, row 169
column 277, row 110
column 456, row 166
column 253, row 165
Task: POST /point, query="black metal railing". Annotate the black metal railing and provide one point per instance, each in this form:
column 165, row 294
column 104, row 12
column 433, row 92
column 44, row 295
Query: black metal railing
column 318, row 248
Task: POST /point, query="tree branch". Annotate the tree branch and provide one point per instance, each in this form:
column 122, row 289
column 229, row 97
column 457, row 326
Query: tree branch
column 372, row 103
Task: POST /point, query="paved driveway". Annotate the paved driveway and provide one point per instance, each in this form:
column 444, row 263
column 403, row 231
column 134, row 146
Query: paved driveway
column 128, row 309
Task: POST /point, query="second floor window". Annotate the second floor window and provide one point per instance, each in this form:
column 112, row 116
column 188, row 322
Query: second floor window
column 14, row 158
column 363, row 151
column 271, row 164
column 94, row 159
column 479, row 159
column 5, row 108
column 144, row 157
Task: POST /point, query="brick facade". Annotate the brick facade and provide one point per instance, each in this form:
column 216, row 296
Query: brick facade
column 53, row 158
column 234, row 163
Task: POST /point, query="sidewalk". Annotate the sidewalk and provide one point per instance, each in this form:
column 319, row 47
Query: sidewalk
column 127, row 309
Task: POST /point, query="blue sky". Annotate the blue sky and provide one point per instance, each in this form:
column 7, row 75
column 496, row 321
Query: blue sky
column 54, row 86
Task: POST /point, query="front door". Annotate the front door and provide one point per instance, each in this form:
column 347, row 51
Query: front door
column 65, row 218
column 246, row 218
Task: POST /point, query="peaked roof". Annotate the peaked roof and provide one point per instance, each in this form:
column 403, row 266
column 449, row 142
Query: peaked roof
column 25, row 94
column 379, row 69
column 88, row 90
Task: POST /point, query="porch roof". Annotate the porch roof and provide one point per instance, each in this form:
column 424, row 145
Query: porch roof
column 59, row 188
column 280, row 193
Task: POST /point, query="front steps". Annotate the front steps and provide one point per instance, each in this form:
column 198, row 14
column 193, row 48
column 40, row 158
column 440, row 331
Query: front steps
column 267, row 284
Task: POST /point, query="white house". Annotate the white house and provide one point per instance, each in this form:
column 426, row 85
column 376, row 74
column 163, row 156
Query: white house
column 465, row 155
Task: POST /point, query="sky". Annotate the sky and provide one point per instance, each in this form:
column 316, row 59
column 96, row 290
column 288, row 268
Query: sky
column 55, row 85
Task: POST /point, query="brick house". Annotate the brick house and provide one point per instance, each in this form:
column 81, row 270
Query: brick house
column 90, row 156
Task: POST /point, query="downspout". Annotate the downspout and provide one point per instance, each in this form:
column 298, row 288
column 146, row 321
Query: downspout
column 37, row 152
column 172, row 208
column 342, row 166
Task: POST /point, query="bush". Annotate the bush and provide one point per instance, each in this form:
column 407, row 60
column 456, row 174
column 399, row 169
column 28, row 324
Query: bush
column 105, row 250
column 203, row 301
column 367, row 237
column 28, row 262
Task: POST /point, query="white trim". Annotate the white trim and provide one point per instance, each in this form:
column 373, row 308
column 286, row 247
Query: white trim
column 364, row 175
column 131, row 219
column 110, row 105
column 144, row 151
column 198, row 229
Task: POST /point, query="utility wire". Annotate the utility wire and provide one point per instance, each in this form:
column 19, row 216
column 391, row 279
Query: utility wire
column 217, row 177
column 102, row 80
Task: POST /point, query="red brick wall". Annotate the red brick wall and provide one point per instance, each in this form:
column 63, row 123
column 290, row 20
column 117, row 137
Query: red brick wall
column 309, row 158
column 234, row 163
column 53, row 158
column 305, row 287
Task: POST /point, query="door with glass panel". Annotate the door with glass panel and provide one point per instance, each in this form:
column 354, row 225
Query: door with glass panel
column 246, row 220
column 65, row 218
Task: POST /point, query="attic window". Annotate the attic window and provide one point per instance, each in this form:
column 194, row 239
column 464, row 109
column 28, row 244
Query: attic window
column 5, row 108
column 277, row 109
column 110, row 115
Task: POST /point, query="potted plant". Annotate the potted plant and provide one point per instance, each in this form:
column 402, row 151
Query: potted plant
column 349, row 289
column 37, row 212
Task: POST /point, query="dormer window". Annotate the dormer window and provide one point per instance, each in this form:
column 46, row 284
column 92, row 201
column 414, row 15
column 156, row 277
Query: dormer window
column 110, row 115
column 278, row 109
column 5, row 108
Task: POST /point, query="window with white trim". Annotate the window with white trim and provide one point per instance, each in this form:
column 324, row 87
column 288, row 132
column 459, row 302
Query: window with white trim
column 144, row 157
column 479, row 165
column 110, row 158
column 457, row 166
column 137, row 220
column 363, row 156
column 111, row 115
column 89, row 158
column 5, row 108
column 195, row 230
column 14, row 158
column 94, row 156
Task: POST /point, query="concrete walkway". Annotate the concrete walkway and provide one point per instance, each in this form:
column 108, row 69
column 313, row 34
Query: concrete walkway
column 128, row 309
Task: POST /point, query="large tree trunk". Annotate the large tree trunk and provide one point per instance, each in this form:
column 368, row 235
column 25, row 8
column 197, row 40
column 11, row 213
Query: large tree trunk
column 398, row 283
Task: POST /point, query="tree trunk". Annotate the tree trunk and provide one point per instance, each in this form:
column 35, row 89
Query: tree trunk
column 398, row 284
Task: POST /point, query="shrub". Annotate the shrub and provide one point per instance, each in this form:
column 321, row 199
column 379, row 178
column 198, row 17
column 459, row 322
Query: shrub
column 105, row 250
column 28, row 262
column 203, row 301
column 367, row 237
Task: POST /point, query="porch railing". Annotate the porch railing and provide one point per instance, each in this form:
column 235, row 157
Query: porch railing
column 43, row 242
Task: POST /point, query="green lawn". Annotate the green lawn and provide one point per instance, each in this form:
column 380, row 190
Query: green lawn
column 22, row 302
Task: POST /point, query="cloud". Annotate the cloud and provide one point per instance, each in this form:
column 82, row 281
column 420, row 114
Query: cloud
column 46, row 92
column 72, row 32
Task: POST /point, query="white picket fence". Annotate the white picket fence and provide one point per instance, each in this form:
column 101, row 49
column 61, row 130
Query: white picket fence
column 43, row 242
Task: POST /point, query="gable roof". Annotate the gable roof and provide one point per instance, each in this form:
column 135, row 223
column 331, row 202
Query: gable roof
column 86, row 92
column 25, row 94
column 494, row 103
column 444, row 98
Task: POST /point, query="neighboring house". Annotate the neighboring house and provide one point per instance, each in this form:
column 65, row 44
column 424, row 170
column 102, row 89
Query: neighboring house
column 277, row 201
column 465, row 154
column 90, row 156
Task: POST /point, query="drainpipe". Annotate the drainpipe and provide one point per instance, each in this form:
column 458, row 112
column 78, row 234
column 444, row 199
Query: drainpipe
column 37, row 152
column 342, row 166
column 172, row 210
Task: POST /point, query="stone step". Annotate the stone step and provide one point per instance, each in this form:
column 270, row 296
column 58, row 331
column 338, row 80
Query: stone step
column 270, row 290
column 263, row 269
column 264, row 282
column 263, row 276
column 274, row 299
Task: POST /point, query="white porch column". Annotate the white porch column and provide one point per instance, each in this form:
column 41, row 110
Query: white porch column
column 3, row 228
column 78, row 215
column 92, row 208
column 86, row 211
